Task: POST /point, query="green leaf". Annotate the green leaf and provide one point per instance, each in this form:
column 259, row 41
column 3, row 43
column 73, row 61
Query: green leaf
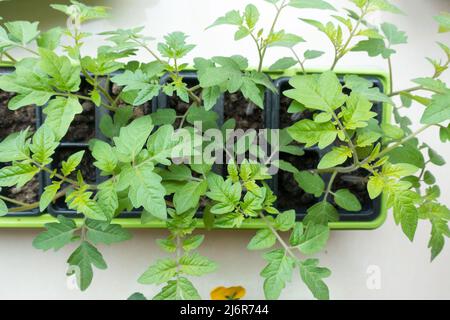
column 164, row 116
column 48, row 195
column 296, row 235
column 193, row 242
column 3, row 208
column 175, row 46
column 137, row 296
column 81, row 201
column 310, row 183
column 312, row 276
column 311, row 133
column 283, row 64
column 18, row 174
column 439, row 230
column 335, row 157
column 285, row 221
column 106, row 159
column 81, row 262
column 143, row 85
column 322, row 92
column 31, row 86
column 162, row 271
column 444, row 22
column 429, row 178
column 107, row 198
column 103, row 232
column 321, row 213
column 312, row 54
column 347, row 200
column 15, row 147
column 57, row 235
column 188, row 196
column 392, row 131
column 374, row 47
column 406, row 212
column 81, row 12
column 311, row 4
column 277, row 273
column 357, row 112
column 263, row 239
column 375, row 186
column 43, row 145
column 314, row 238
column 22, row 32
column 72, row 163
column 393, row 35
column 179, row 289
column 439, row 109
column 196, row 265
column 383, row 5
column 431, row 84
column 407, row 154
column 251, row 15
column 60, row 113
column 162, row 143
column 132, row 138
column 50, row 39
column 365, row 88
column 210, row 97
column 285, row 40
column 435, row 158
column 232, row 18
column 147, row 191
column 64, row 75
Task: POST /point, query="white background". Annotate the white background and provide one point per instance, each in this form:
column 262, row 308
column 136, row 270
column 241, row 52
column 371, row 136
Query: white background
column 405, row 268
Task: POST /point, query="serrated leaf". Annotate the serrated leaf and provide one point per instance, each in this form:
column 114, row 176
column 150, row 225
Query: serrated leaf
column 103, row 153
column 81, row 262
column 314, row 238
column 103, row 232
column 196, row 265
column 277, row 273
column 57, row 235
column 18, row 174
column 193, row 242
column 393, row 35
column 283, row 64
column 162, row 271
column 60, row 113
column 72, row 163
column 312, row 276
column 48, row 195
column 311, row 4
column 263, row 239
column 179, row 289
column 310, row 133
column 439, row 109
column 132, row 138
column 43, row 145
column 188, row 196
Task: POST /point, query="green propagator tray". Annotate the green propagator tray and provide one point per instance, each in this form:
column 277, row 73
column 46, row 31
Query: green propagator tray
column 371, row 217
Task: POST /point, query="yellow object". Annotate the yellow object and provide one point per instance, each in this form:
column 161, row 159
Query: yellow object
column 230, row 293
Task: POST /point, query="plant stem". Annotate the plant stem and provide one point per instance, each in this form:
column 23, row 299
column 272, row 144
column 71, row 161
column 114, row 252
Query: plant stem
column 330, row 185
column 390, row 75
column 13, row 201
column 10, row 57
column 350, row 142
column 154, row 55
column 277, row 235
column 299, row 61
column 341, row 52
column 35, row 205
column 272, row 29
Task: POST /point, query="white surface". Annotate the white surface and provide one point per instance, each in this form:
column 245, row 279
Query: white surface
column 404, row 267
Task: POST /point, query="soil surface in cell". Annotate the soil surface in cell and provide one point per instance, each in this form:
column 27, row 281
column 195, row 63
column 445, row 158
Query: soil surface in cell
column 29, row 193
column 246, row 114
column 290, row 195
column 15, row 121
column 82, row 128
column 356, row 182
column 138, row 111
column 180, row 107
